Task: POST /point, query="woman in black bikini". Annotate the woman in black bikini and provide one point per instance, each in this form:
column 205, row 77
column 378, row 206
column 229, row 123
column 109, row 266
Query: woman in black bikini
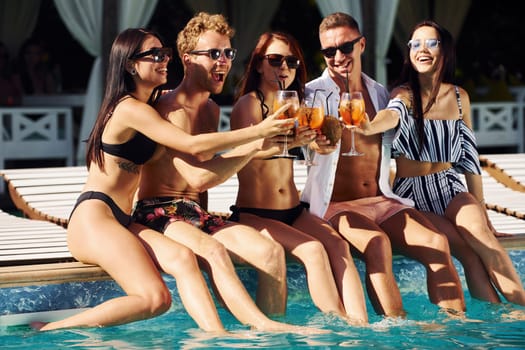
column 268, row 199
column 124, row 137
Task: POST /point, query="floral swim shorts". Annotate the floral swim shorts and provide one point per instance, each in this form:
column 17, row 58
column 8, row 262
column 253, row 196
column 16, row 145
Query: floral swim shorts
column 157, row 213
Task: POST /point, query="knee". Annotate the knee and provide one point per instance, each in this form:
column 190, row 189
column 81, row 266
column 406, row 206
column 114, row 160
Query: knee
column 274, row 258
column 180, row 261
column 313, row 252
column 216, row 254
column 157, row 301
column 440, row 242
column 436, row 250
column 378, row 248
column 337, row 246
column 378, row 254
column 478, row 233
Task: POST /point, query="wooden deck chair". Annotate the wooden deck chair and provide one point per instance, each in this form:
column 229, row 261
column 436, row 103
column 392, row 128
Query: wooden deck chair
column 45, row 193
column 35, row 252
column 504, row 193
column 50, row 193
column 509, row 169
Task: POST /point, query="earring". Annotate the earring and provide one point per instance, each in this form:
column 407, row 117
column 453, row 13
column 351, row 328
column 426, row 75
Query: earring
column 133, row 71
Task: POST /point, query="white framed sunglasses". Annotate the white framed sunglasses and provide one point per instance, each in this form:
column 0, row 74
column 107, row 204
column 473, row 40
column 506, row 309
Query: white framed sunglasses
column 417, row 44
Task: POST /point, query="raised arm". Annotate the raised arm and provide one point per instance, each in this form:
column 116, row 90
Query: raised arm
column 146, row 120
column 246, row 112
column 203, row 175
column 387, row 118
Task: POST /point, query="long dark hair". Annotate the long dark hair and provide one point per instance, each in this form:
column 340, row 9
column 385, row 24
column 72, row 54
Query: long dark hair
column 252, row 78
column 119, row 83
column 409, row 76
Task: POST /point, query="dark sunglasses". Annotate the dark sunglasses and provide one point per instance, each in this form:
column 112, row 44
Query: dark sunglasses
column 345, row 48
column 276, row 60
column 158, row 54
column 215, row 54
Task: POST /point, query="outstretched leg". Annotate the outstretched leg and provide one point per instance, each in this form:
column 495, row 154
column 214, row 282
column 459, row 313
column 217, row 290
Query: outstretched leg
column 311, row 253
column 373, row 246
column 471, row 221
column 124, row 258
column 246, row 245
column 413, row 235
column 236, row 298
column 477, row 277
column 342, row 264
column 180, row 262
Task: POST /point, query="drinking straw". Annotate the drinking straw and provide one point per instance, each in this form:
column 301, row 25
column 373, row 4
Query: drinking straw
column 281, row 84
column 327, row 106
column 315, row 93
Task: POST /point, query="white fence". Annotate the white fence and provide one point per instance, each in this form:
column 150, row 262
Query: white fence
column 36, row 133
column 498, row 124
column 495, row 124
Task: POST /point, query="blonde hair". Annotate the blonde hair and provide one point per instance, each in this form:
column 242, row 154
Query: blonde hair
column 200, row 23
column 338, row 19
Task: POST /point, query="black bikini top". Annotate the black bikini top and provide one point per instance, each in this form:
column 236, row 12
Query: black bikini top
column 139, row 149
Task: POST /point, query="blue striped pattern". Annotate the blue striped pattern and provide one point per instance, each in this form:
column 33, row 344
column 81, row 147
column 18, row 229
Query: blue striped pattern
column 445, row 141
column 431, row 192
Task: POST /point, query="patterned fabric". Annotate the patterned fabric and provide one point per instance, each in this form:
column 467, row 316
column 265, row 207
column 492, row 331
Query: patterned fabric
column 444, row 141
column 157, row 213
column 431, row 192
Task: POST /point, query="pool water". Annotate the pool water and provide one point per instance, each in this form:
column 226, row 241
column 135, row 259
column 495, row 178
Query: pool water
column 487, row 326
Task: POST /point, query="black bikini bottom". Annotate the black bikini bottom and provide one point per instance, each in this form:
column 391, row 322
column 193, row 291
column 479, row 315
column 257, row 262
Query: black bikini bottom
column 123, row 218
column 287, row 216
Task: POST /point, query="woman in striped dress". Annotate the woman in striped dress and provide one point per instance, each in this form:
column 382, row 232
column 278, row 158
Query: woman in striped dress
column 434, row 144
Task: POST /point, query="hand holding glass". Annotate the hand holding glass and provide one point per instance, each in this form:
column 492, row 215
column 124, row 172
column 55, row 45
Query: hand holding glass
column 283, row 97
column 311, row 114
column 352, row 111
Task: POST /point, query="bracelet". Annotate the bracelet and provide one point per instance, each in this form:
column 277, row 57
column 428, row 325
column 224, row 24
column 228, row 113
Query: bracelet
column 482, row 201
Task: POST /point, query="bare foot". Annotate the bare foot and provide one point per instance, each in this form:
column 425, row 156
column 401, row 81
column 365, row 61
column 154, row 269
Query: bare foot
column 274, row 326
column 37, row 325
column 502, row 234
column 517, row 315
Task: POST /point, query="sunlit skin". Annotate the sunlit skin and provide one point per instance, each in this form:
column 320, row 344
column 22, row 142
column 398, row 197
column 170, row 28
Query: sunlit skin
column 407, row 232
column 120, row 253
column 134, row 255
column 210, row 75
column 464, row 211
column 332, row 278
column 178, row 175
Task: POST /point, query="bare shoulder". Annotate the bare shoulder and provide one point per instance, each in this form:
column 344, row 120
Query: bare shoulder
column 177, row 117
column 246, row 111
column 212, row 105
column 464, row 96
column 404, row 93
column 130, row 114
column 130, row 108
column 167, row 103
column 246, row 102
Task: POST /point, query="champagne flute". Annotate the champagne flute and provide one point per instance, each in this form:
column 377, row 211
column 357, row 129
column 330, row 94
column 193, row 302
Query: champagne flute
column 352, row 111
column 311, row 114
column 283, row 97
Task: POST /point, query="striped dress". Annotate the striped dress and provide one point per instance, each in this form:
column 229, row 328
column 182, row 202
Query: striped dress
column 449, row 141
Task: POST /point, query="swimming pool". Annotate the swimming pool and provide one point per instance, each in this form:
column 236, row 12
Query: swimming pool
column 487, row 325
